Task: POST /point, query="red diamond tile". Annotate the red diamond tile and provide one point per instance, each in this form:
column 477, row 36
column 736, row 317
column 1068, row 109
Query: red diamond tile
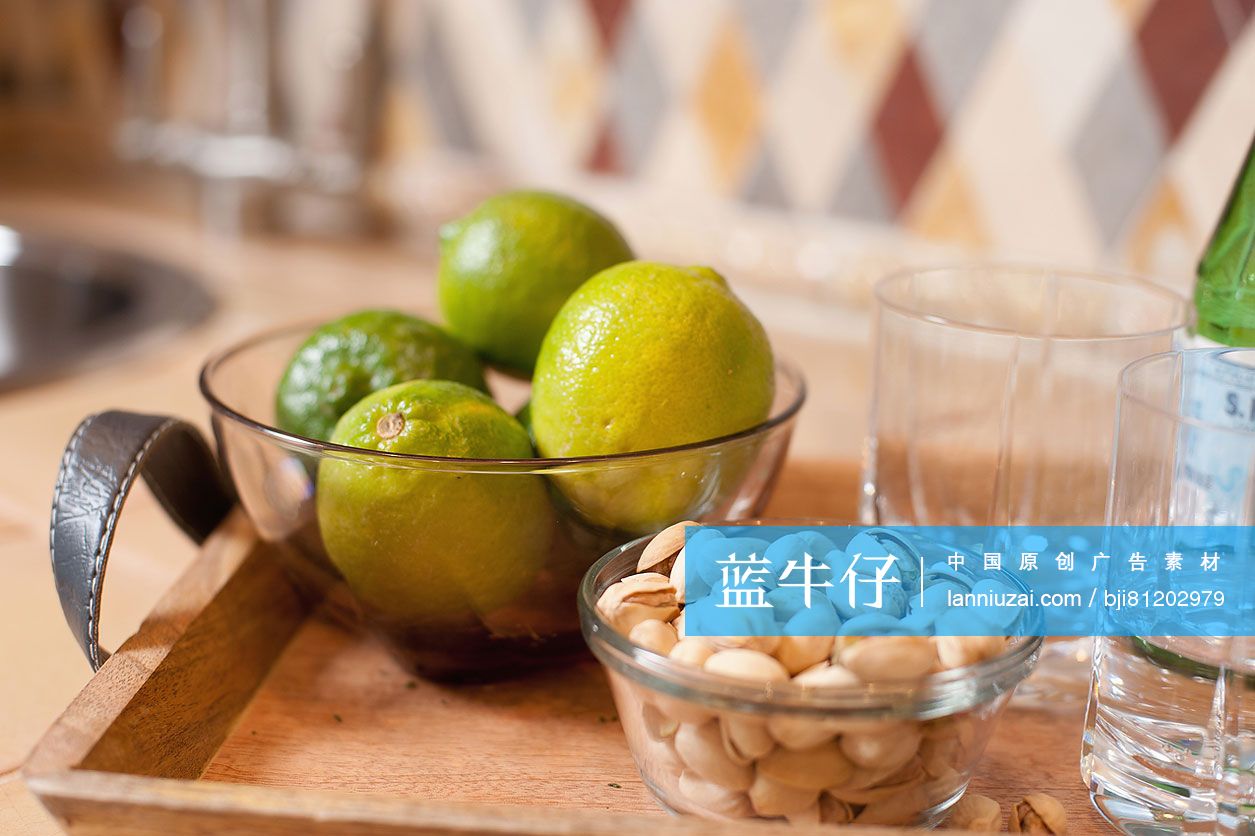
column 605, row 157
column 907, row 129
column 608, row 16
column 1182, row 44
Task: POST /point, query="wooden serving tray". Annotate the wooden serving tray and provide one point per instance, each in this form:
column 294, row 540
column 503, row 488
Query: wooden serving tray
column 240, row 707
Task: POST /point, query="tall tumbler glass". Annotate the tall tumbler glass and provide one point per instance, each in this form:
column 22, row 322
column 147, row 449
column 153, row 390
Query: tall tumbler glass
column 1169, row 742
column 994, row 393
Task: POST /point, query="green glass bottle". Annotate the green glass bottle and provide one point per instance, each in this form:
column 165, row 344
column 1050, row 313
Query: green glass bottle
column 1225, row 293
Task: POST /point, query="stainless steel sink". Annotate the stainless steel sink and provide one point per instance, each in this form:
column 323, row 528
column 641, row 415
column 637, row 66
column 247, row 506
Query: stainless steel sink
column 65, row 305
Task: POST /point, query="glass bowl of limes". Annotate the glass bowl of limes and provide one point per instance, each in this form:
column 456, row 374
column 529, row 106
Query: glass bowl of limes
column 459, row 478
column 468, row 567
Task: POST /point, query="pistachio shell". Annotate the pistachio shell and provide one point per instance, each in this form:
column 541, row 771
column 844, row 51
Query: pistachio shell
column 762, row 644
column 638, row 598
column 794, row 732
column 827, row 676
column 692, row 651
column 745, row 739
column 960, row 651
column 678, row 622
column 657, row 724
column 1038, row 813
column 890, row 658
column 713, row 798
column 884, row 749
column 743, row 663
column 815, row 768
column 681, row 710
column 976, row 812
column 797, row 653
column 772, row 798
column 874, row 785
column 654, row 635
column 665, row 545
column 900, row 808
column 677, row 576
column 701, row 749
column 833, row 810
column 811, row 815
column 939, row 755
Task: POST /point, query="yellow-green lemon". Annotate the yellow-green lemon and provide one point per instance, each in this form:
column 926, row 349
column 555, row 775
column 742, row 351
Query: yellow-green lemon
column 345, row 360
column 432, row 544
column 507, row 267
column 645, row 356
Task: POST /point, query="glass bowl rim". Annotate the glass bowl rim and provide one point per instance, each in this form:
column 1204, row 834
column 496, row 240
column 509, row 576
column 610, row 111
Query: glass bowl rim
column 325, row 448
column 692, row 684
column 1023, row 270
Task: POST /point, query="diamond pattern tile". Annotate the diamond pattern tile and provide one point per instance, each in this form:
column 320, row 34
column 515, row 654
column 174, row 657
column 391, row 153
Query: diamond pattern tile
column 908, row 129
column 1024, row 126
column 1120, row 147
column 641, row 96
column 953, row 41
column 1182, row 43
column 728, row 106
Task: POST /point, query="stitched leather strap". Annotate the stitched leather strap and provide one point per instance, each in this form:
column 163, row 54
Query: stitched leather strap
column 100, row 464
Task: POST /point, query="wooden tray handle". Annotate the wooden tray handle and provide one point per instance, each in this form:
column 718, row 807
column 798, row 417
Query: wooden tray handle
column 101, row 461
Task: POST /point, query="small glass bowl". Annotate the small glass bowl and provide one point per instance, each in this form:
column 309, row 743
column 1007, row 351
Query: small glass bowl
column 468, row 595
column 699, row 740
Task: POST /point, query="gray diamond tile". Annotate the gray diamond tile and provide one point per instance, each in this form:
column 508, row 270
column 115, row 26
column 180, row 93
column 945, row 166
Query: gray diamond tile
column 862, row 192
column 953, row 40
column 1119, row 147
column 764, row 186
column 768, row 25
column 640, row 95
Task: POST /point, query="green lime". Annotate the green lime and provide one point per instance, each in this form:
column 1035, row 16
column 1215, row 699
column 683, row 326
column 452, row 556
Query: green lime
column 345, row 360
column 645, row 356
column 507, row 267
column 427, row 544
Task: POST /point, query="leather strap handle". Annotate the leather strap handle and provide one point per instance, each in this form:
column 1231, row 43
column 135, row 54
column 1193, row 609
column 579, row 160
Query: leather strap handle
column 101, row 461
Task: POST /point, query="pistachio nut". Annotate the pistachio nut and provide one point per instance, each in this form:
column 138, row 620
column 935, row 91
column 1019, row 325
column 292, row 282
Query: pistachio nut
column 743, row 663
column 701, row 749
column 797, row 653
column 762, row 644
column 713, row 798
column 827, row 676
column 1038, row 813
column 657, row 724
column 677, row 576
column 940, row 756
column 745, row 739
column 655, row 635
column 960, row 651
column 681, row 710
column 976, row 812
column 898, row 809
column 692, row 651
column 815, row 768
column 882, row 749
column 944, row 785
column 638, row 598
column 811, row 815
column 798, row 732
column 833, row 810
column 874, row 785
column 890, row 658
column 665, row 545
column 772, row 798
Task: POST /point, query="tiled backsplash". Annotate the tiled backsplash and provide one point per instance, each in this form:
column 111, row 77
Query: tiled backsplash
column 1083, row 131
column 1078, row 131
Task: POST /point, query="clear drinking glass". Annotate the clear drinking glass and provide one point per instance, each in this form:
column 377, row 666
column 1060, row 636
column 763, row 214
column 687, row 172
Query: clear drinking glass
column 1169, row 742
column 994, row 394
